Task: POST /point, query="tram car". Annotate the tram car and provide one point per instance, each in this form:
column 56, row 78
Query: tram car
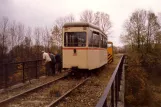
column 84, row 46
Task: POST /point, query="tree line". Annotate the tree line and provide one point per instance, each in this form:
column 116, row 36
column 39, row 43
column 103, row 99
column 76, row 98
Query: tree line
column 20, row 43
column 142, row 35
column 142, row 39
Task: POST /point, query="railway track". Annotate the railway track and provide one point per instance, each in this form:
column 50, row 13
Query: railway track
column 28, row 91
column 67, row 93
column 42, row 95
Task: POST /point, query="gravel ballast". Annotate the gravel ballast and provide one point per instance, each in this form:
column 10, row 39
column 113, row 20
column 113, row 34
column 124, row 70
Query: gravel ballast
column 89, row 94
column 12, row 92
column 45, row 96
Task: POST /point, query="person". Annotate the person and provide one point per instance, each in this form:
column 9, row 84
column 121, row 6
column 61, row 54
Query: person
column 58, row 61
column 47, row 60
column 53, row 62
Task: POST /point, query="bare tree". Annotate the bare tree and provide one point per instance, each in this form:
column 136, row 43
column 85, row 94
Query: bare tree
column 103, row 21
column 20, row 33
column 62, row 20
column 99, row 19
column 49, row 38
column 56, row 35
column 13, row 33
column 142, row 30
column 27, row 43
column 37, row 33
column 3, row 36
column 158, row 38
column 45, row 40
column 135, row 27
column 20, row 38
column 152, row 29
column 57, row 29
column 69, row 18
column 28, row 34
column 87, row 16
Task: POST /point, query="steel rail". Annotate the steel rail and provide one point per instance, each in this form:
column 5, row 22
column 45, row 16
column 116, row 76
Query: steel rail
column 30, row 90
column 67, row 93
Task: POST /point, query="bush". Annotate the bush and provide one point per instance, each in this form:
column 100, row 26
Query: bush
column 136, row 82
column 136, row 86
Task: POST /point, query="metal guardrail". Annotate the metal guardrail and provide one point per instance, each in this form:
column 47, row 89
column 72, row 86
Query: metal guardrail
column 114, row 86
column 6, row 71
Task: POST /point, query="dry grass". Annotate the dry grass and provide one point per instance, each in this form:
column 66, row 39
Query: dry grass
column 155, row 90
column 54, row 92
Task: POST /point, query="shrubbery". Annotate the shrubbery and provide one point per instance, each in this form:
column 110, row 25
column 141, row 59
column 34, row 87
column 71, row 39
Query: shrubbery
column 136, row 81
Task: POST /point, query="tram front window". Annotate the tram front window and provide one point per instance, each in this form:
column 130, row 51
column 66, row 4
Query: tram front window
column 75, row 39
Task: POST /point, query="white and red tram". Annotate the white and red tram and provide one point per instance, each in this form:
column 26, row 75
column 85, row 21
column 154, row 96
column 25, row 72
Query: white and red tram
column 84, row 46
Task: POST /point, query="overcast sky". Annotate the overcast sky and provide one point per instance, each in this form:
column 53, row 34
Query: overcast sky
column 44, row 12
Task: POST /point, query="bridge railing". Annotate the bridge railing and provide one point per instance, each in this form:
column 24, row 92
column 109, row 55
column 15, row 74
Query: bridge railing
column 16, row 72
column 113, row 88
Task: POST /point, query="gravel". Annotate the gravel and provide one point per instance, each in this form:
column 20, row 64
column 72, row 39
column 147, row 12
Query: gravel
column 10, row 93
column 89, row 94
column 45, row 96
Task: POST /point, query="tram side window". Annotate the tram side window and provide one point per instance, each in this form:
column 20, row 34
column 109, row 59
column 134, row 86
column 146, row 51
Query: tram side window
column 104, row 43
column 101, row 44
column 90, row 40
column 96, row 39
column 93, row 39
column 103, row 39
column 75, row 39
column 99, row 40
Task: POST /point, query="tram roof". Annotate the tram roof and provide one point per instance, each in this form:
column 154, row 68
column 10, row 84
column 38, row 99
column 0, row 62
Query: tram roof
column 82, row 24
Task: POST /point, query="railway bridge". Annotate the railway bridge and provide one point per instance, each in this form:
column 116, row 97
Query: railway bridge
column 28, row 82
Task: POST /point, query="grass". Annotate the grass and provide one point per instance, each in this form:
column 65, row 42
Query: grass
column 54, row 92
